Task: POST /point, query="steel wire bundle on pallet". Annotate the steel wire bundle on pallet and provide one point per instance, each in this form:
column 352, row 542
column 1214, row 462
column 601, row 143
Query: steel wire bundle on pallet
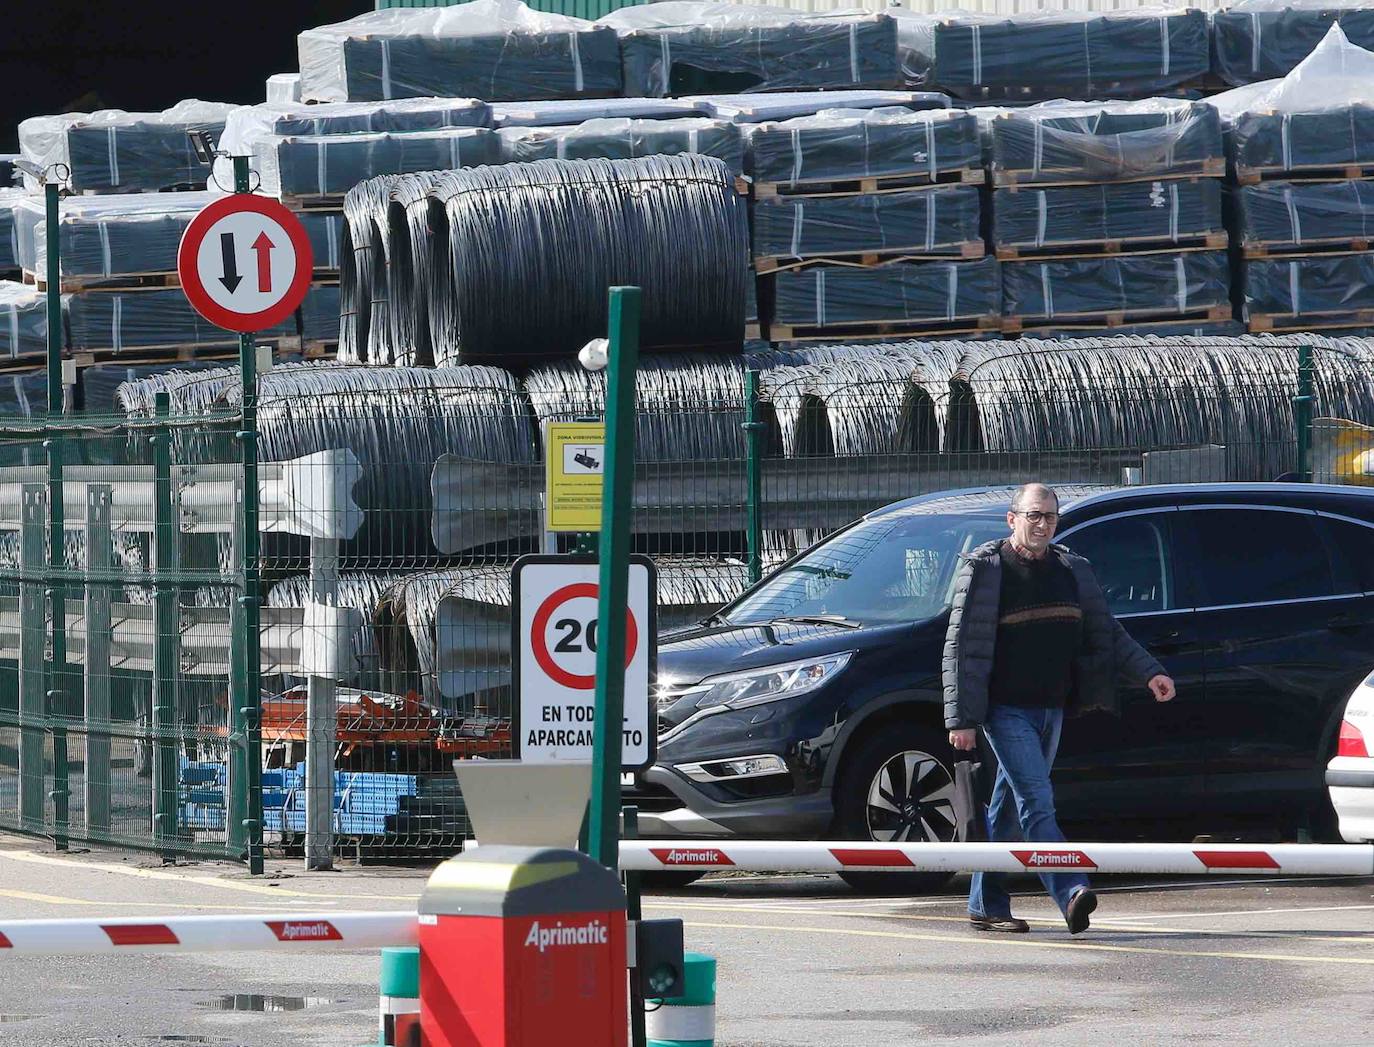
column 873, row 148
column 1284, row 217
column 1256, row 40
column 10, row 201
column 624, row 139
column 498, row 50
column 683, row 47
column 23, row 321
column 112, row 151
column 751, row 108
column 161, row 319
column 1130, row 53
column 523, row 253
column 1315, row 291
column 1111, row 289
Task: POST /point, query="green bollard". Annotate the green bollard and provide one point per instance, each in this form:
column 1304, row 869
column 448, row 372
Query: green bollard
column 399, row 989
column 688, row 1020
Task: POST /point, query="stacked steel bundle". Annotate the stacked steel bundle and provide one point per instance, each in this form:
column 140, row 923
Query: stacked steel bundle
column 625, row 139
column 685, row 47
column 1108, row 214
column 868, row 222
column 9, row 235
column 1302, row 150
column 493, row 49
column 1258, row 40
column 1132, row 53
column 510, row 264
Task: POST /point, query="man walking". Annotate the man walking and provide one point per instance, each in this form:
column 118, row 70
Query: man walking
column 1030, row 634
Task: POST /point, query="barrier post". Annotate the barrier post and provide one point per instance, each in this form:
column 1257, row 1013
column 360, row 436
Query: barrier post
column 399, row 994
column 55, row 705
column 165, row 631
column 688, row 1020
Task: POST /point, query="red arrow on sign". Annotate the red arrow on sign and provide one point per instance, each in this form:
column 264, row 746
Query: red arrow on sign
column 263, row 246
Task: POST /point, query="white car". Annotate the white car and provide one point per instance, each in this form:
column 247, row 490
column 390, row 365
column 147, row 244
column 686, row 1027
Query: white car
column 1350, row 774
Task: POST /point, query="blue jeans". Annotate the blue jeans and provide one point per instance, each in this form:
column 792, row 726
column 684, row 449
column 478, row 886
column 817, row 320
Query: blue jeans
column 1022, row 804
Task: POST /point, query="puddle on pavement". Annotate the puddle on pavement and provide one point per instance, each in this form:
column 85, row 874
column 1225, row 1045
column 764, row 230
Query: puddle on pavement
column 253, row 1002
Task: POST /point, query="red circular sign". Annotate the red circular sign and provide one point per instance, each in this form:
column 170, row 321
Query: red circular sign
column 555, row 600
column 245, row 262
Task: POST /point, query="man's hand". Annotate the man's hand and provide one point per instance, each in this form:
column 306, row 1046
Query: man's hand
column 1161, row 687
column 964, row 739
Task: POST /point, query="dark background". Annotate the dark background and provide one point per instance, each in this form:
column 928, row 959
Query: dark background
column 61, row 56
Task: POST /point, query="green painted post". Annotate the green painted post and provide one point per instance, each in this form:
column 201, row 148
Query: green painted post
column 688, row 1020
column 753, row 435
column 165, row 628
column 250, row 711
column 634, row 912
column 617, row 487
column 55, row 706
column 1302, row 410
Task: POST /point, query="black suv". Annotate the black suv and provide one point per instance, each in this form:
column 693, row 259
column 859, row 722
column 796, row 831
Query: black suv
column 806, row 706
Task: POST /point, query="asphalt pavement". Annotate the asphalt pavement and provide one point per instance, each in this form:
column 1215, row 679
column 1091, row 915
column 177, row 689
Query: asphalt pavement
column 803, row 960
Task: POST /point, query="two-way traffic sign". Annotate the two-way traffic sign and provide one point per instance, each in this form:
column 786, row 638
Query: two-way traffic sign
column 245, row 262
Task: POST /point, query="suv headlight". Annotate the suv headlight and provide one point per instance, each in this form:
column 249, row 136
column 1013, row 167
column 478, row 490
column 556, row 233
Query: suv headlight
column 768, row 683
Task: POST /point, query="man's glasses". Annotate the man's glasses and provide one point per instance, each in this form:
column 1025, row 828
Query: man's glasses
column 1035, row 516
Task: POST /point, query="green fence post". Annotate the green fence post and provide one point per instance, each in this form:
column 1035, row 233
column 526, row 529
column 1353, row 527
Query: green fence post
column 603, row 829
column 1302, row 411
column 165, row 628
column 251, row 711
column 753, row 439
column 32, row 718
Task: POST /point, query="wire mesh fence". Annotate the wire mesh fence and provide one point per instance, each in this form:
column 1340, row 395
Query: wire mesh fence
column 394, row 502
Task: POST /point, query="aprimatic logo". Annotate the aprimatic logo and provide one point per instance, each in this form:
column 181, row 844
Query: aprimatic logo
column 1043, row 861
column 305, row 931
column 690, row 856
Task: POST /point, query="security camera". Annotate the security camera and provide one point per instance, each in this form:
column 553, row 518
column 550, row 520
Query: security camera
column 205, row 149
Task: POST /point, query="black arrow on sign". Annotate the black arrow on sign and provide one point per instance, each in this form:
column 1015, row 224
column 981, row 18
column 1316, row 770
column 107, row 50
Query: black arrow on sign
column 231, row 278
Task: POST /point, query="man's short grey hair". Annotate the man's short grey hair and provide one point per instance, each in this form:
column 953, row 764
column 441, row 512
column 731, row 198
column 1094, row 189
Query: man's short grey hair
column 1033, row 490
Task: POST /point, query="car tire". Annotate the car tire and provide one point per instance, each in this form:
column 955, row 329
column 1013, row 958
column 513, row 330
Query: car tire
column 908, row 763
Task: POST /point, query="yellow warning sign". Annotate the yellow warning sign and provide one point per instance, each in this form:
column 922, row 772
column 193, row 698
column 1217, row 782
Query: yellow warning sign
column 574, row 462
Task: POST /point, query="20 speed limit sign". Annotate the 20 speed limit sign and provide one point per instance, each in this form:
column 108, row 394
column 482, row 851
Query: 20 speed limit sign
column 556, row 631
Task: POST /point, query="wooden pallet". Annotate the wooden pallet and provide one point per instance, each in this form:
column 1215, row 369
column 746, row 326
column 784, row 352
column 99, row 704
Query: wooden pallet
column 870, row 185
column 1115, row 318
column 753, row 332
column 973, row 250
column 884, row 329
column 311, row 349
column 1336, row 173
column 1261, row 322
column 1041, row 330
column 1046, row 178
column 1307, row 249
column 130, row 282
column 1099, row 248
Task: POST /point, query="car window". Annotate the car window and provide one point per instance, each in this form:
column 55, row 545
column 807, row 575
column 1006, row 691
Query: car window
column 1353, row 545
column 1133, row 560
column 894, row 568
column 1250, row 555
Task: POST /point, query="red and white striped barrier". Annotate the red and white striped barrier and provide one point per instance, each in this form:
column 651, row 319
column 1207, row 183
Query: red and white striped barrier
column 833, row 856
column 368, row 930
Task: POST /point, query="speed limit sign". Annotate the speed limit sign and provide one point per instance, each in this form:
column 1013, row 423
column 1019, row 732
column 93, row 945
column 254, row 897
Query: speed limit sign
column 555, row 634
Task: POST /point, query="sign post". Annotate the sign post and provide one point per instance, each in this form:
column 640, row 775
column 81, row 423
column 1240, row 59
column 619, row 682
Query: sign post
column 245, row 264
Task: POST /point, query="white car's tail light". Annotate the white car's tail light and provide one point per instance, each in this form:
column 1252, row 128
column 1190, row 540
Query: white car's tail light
column 1351, row 741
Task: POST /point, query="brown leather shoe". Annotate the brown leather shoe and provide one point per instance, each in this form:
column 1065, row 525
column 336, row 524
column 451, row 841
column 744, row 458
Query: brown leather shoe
column 1002, row 924
column 1081, row 906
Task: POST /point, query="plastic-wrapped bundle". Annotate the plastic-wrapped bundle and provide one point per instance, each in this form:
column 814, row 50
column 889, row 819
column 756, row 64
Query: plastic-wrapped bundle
column 690, row 406
column 838, row 144
column 10, row 201
column 9, row 172
column 682, row 47
column 1294, row 214
column 327, row 237
column 112, row 151
column 561, row 112
column 320, row 314
column 935, row 220
column 1147, row 284
column 1256, row 40
column 328, row 164
column 494, row 49
column 758, row 108
column 671, row 225
column 284, row 87
column 625, row 140
column 1104, row 141
column 25, row 394
column 1288, row 292
column 1131, row 53
column 121, row 321
column 1159, row 212
column 898, row 292
column 23, row 320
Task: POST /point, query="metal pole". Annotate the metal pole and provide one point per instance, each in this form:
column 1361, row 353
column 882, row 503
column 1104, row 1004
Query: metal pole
column 603, row 829
column 321, row 721
column 55, row 706
column 31, row 668
column 251, row 710
column 97, row 668
column 1302, row 410
column 753, row 435
column 165, row 627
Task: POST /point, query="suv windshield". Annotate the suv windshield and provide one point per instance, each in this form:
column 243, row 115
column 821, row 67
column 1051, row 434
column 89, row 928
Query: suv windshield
column 895, row 568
